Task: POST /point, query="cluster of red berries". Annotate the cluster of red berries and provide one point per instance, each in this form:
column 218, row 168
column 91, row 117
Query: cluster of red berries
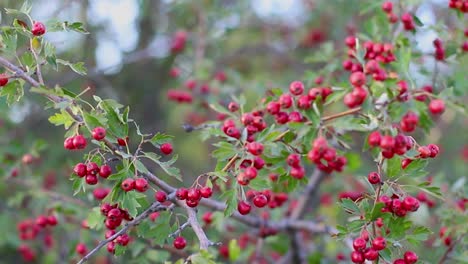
column 122, row 240
column 408, row 258
column 296, row 95
column 362, row 252
column 192, row 196
column 461, row 5
column 399, row 207
column 390, row 145
column 408, row 21
column 294, row 161
column 409, row 122
column 29, row 229
column 79, row 141
column 3, row 79
column 387, row 7
column 324, row 157
column 38, row 29
column 91, row 170
column 429, row 151
column 178, row 41
column 114, row 215
column 253, row 123
column 439, row 49
column 139, row 184
column 179, row 96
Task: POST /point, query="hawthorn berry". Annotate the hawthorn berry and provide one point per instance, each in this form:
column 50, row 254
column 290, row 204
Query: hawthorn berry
column 437, row 106
column 194, row 194
column 38, row 29
column 191, row 203
column 293, row 160
column 373, row 177
column 181, row 193
column 371, row 254
column 122, row 142
column 114, row 214
column 255, row 148
column 92, row 168
column 105, row 171
column 387, row 142
column 207, row 217
column 387, row 7
column 3, row 79
column 166, row 148
column 410, row 204
column 123, row 240
column 379, row 243
column 296, row 88
column 251, row 173
column 260, row 200
column 206, row 192
column 99, row 133
column 297, row 172
column 80, row 170
column 285, row 101
column 41, row 221
column 68, row 143
column 434, row 150
column 233, row 106
column 91, row 179
column 100, row 193
column 141, row 185
column 273, row 107
column 81, row 249
column 359, row 244
column 374, row 139
column 179, row 242
column 52, row 220
column 128, row 184
column 160, row 196
column 243, row 208
column 357, row 79
column 111, row 247
column 410, row 257
column 79, row 142
column 357, row 257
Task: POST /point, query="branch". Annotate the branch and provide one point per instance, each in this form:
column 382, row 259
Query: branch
column 449, row 249
column 180, row 229
column 155, row 207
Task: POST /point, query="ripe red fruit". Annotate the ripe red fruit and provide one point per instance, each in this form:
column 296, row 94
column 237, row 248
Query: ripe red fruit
column 233, row 106
column 297, row 172
column 373, row 177
column 437, row 106
column 387, row 142
column 109, row 233
column 79, row 141
column 128, row 184
column 410, row 257
column 123, row 240
column 160, row 196
column 111, row 247
column 207, row 217
column 434, row 150
column 141, row 185
column 41, row 221
column 68, row 143
column 357, row 79
column 374, row 139
column 114, row 214
column 285, row 101
column 296, row 88
column 91, row 179
column 371, row 254
column 122, row 142
column 52, row 220
column 357, row 257
column 251, row 173
column 99, row 133
column 38, row 29
column 191, row 203
column 81, row 249
column 80, row 170
column 387, row 6
column 399, row 261
column 194, row 194
column 92, row 168
column 273, row 107
column 405, row 163
column 260, row 200
column 350, row 41
column 410, row 204
column 359, row 244
column 293, row 160
column 255, row 148
column 166, row 148
column 424, row 152
column 3, row 79
column 243, row 208
column 180, row 242
column 206, row 192
column 105, row 171
column 100, row 193
column 181, row 193
column 379, row 243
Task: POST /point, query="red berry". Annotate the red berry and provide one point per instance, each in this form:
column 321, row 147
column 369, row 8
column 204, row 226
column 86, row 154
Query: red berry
column 79, row 141
column 128, row 184
column 111, row 247
column 410, row 257
column 68, row 143
column 181, row 193
column 243, row 208
column 359, row 244
column 141, row 185
column 180, row 242
column 410, row 204
column 207, row 217
column 296, row 88
column 194, row 194
column 81, row 249
column 123, row 240
column 374, row 139
column 41, row 221
column 387, row 142
column 91, row 179
column 379, row 243
column 357, row 79
column 273, row 107
column 105, row 171
column 100, row 193
column 80, row 170
column 387, row 6
column 52, row 220
column 437, row 106
column 405, row 163
column 114, row 214
column 371, row 254
column 191, row 203
column 233, row 106
column 260, row 200
column 206, row 192
column 297, row 172
column 373, row 177
column 166, row 148
column 350, row 41
column 357, row 257
column 251, row 173
column 285, row 101
column 99, row 133
column 3, row 79
column 293, row 160
column 424, row 152
column 399, row 261
column 160, row 196
column 92, row 168
column 122, row 142
column 38, row 29
column 255, row 148
column 434, row 150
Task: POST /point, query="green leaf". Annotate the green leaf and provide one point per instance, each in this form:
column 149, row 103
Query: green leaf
column 10, row 42
column 95, row 218
column 116, row 123
column 161, row 231
column 417, row 21
column 76, row 67
column 166, row 166
column 120, row 175
column 393, row 167
column 234, row 250
column 26, row 7
column 231, row 201
column 92, row 120
column 416, row 168
column 349, row 205
column 13, row 91
column 224, row 151
column 160, row 138
column 130, row 203
column 119, row 250
column 78, row 185
column 75, row 26
column 62, row 118
column 141, row 167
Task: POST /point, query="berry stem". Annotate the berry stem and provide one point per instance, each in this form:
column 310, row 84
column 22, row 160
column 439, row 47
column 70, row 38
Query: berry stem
column 338, row 115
